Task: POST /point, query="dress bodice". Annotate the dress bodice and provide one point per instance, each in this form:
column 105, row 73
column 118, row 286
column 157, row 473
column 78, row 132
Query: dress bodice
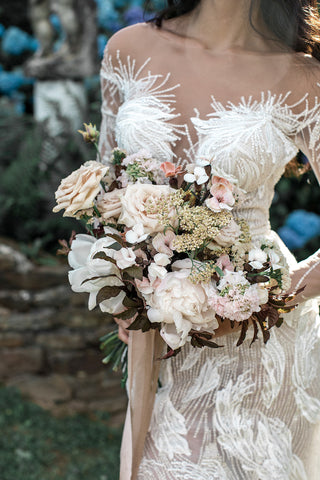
column 249, row 142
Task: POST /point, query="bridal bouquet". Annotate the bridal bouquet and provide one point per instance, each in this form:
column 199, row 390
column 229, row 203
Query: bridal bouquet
column 165, row 249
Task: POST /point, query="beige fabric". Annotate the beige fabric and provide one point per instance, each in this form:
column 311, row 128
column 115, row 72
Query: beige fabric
column 145, row 349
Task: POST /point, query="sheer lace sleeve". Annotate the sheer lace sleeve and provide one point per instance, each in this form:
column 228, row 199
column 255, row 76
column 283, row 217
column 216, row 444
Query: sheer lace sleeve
column 111, row 100
column 307, row 272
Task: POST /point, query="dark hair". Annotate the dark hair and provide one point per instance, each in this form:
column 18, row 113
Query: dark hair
column 295, row 23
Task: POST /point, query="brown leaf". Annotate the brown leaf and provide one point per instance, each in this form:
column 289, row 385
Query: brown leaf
column 108, row 292
column 130, row 302
column 273, row 317
column 117, row 238
column 140, row 323
column 255, row 332
column 243, row 334
column 134, row 272
column 102, row 256
column 170, row 353
column 127, row 314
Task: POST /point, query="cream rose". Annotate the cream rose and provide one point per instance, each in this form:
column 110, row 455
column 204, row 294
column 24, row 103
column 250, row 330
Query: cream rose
column 109, row 204
column 76, row 193
column 228, row 235
column 135, row 204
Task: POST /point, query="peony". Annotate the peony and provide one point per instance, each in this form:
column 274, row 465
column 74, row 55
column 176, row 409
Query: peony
column 135, row 204
column 76, row 193
column 109, row 204
column 228, row 234
column 176, row 300
column 90, row 274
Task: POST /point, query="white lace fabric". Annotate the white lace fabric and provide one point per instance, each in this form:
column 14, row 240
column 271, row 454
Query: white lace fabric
column 250, row 413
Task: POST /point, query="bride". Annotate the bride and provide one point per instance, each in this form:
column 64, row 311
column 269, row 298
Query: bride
column 235, row 82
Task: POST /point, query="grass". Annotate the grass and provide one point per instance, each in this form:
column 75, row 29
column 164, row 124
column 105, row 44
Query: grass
column 34, row 445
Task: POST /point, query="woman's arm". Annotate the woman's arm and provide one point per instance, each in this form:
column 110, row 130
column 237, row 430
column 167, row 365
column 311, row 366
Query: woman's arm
column 307, row 272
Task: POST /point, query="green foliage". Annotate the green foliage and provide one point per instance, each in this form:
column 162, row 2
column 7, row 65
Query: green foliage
column 27, row 184
column 36, row 446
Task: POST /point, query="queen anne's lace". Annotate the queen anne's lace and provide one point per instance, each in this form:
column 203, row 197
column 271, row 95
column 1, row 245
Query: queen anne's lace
column 232, row 413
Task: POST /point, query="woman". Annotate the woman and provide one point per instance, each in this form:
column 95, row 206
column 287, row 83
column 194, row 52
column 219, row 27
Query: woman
column 235, row 82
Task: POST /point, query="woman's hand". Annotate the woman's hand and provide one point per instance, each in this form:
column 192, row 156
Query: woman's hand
column 123, row 333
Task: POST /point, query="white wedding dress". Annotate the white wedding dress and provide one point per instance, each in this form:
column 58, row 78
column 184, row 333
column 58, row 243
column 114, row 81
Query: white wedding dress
column 235, row 413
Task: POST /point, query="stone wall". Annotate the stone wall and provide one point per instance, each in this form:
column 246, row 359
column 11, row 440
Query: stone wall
column 49, row 341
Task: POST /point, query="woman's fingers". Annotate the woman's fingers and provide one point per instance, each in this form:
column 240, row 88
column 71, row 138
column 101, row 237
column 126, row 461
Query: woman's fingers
column 123, row 334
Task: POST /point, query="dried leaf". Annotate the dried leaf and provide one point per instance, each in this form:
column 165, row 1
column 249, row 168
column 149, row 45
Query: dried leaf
column 118, row 239
column 129, row 302
column 140, row 323
column 170, row 353
column 255, row 332
column 243, row 334
column 273, row 317
column 279, row 322
column 102, row 256
column 108, row 292
column 134, row 272
column 127, row 314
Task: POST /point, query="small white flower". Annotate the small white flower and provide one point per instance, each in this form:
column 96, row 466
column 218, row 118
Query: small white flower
column 161, row 259
column 156, row 271
column 125, row 258
column 196, row 174
column 202, row 162
column 257, row 258
column 274, row 259
column 136, row 234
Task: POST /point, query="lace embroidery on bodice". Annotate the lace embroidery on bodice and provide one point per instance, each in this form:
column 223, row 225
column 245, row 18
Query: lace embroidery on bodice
column 250, row 143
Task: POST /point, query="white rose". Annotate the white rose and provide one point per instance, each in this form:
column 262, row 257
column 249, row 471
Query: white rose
column 135, row 203
column 76, row 193
column 125, row 258
column 228, row 235
column 109, row 204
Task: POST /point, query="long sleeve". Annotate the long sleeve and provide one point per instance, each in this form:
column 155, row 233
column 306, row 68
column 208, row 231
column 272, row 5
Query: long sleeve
column 307, row 272
column 111, row 100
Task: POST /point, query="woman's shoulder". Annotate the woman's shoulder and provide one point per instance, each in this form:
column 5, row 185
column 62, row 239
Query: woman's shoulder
column 305, row 77
column 133, row 41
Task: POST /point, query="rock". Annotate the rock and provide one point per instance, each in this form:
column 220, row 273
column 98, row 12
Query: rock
column 45, row 391
column 109, row 404
column 89, row 361
column 20, row 360
column 33, row 320
column 12, row 339
column 61, row 339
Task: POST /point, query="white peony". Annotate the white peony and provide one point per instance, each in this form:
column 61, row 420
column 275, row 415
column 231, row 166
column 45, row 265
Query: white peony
column 176, row 300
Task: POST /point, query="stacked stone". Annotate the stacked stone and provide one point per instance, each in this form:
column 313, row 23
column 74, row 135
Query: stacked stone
column 49, row 341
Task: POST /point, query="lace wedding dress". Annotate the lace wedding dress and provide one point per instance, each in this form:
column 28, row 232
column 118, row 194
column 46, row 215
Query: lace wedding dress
column 236, row 413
